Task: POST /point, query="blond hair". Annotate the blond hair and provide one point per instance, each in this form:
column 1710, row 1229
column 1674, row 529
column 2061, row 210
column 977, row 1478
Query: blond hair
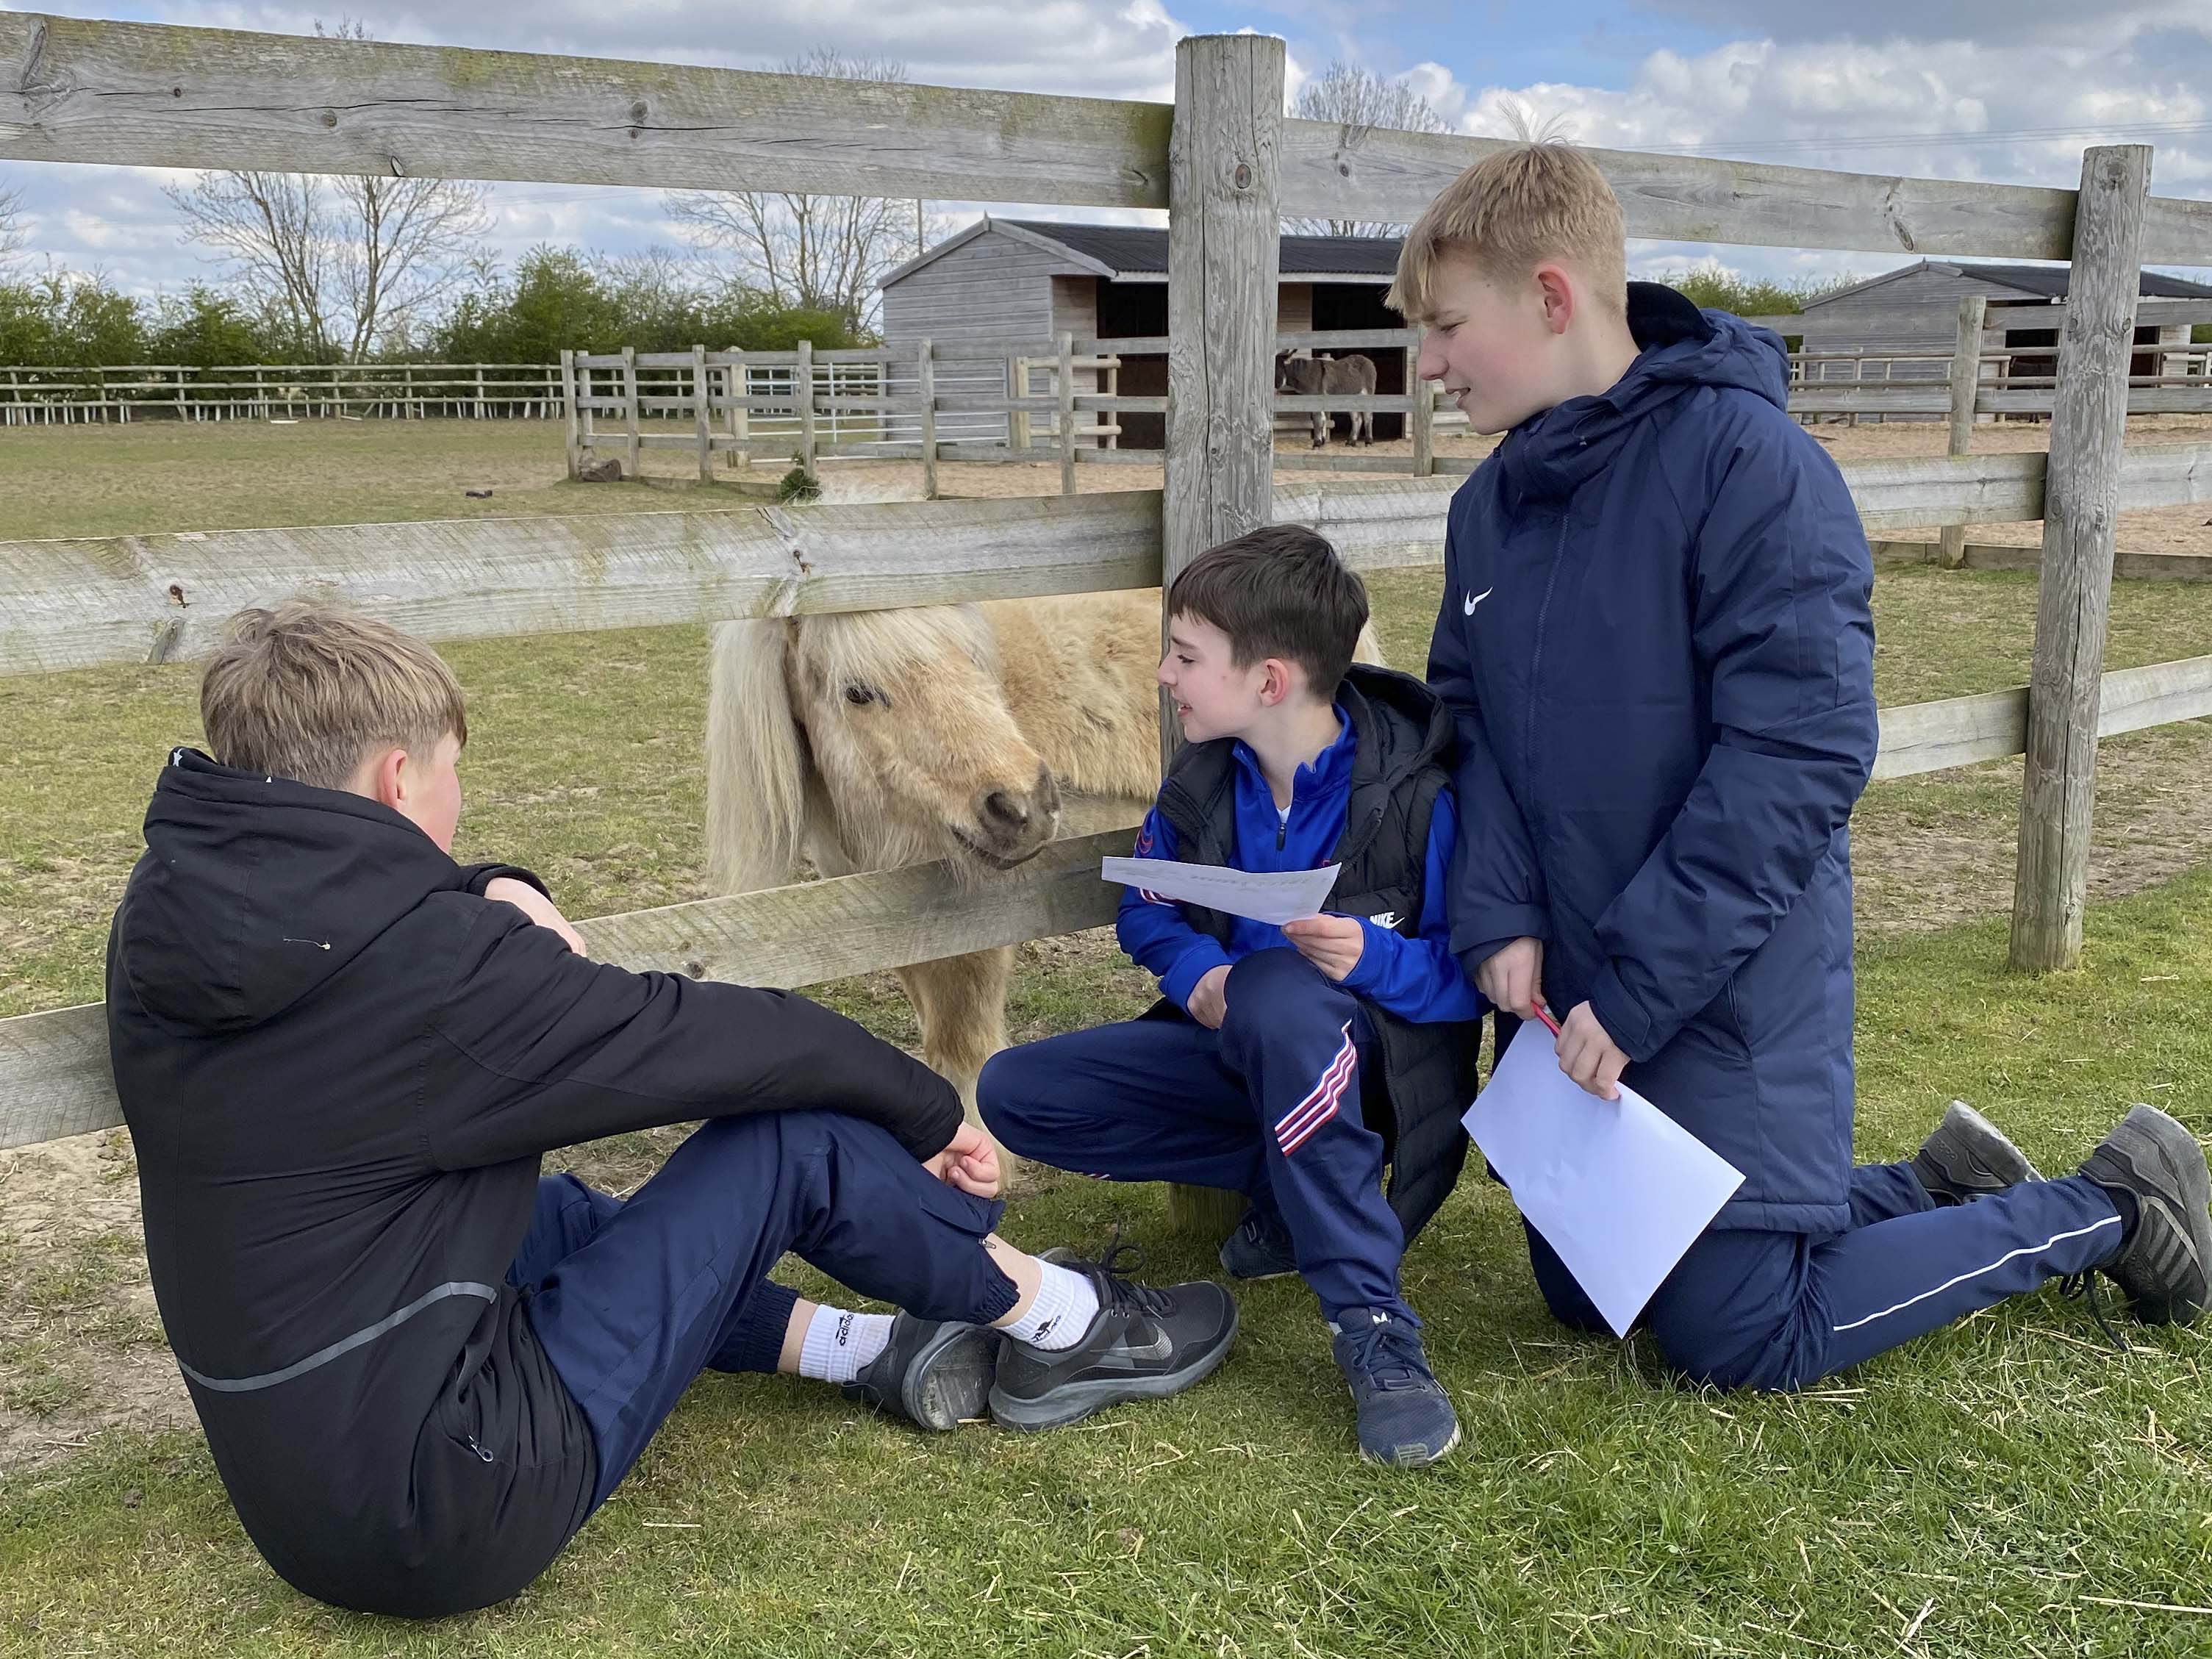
column 306, row 690
column 1518, row 206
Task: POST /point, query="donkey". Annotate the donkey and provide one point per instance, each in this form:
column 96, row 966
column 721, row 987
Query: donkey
column 1331, row 377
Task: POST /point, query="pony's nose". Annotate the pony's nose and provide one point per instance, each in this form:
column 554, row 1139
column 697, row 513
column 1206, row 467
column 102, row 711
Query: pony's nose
column 1003, row 811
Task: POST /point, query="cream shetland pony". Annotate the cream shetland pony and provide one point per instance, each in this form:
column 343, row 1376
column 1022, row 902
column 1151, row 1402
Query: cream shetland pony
column 875, row 739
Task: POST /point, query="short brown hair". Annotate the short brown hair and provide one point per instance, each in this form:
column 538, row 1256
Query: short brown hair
column 306, row 691
column 1516, row 208
column 1281, row 592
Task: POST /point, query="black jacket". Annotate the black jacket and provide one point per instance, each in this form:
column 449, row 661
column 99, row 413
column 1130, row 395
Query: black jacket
column 340, row 1064
column 1400, row 763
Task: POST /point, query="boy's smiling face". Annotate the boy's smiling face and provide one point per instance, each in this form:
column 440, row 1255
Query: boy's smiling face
column 1213, row 697
column 1496, row 346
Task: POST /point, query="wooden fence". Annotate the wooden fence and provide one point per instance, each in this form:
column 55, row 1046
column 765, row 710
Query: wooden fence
column 33, row 396
column 1228, row 165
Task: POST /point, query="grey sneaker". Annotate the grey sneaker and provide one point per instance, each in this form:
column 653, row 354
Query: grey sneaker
column 1405, row 1418
column 935, row 1373
column 2163, row 1260
column 1260, row 1248
column 1969, row 1157
column 1145, row 1343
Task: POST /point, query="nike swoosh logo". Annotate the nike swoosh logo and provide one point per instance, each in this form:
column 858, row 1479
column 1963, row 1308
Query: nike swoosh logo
column 1474, row 600
column 1130, row 1355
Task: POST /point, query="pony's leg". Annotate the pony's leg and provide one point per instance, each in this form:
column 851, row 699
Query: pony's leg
column 1320, row 430
column 960, row 1003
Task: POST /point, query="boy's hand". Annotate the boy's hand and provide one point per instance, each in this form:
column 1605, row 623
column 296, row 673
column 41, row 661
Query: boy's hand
column 535, row 905
column 1209, row 998
column 1590, row 1057
column 968, row 1164
column 1332, row 943
column 1514, row 977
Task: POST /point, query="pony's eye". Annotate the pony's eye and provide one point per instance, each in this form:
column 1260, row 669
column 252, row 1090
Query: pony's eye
column 858, row 695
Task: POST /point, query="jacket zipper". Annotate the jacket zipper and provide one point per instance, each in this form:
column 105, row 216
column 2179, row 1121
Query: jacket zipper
column 485, row 1455
column 1536, row 659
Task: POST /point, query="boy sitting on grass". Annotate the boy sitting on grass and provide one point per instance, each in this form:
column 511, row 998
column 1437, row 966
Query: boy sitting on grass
column 1288, row 1063
column 1657, row 637
column 421, row 1364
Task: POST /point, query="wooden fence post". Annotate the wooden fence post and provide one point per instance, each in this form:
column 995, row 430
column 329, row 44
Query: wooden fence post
column 802, row 388
column 1223, row 253
column 702, row 414
column 1966, row 387
column 1421, row 423
column 1066, row 372
column 741, row 411
column 629, row 409
column 2088, row 427
column 924, row 370
column 1017, row 385
column 568, row 410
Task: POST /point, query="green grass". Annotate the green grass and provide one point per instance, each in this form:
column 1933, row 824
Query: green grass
column 2008, row 1470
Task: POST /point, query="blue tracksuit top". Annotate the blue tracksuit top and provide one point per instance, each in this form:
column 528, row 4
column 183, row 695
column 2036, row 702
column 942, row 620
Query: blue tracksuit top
column 1417, row 979
column 1657, row 643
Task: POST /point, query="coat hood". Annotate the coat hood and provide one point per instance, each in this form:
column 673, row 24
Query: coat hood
column 1553, row 453
column 254, row 891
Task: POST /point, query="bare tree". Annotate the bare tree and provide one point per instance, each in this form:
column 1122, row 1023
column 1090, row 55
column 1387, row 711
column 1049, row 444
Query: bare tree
column 824, row 252
column 338, row 262
column 11, row 226
column 1357, row 100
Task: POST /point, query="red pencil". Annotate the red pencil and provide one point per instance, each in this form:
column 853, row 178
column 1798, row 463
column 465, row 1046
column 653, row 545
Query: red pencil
column 1545, row 1014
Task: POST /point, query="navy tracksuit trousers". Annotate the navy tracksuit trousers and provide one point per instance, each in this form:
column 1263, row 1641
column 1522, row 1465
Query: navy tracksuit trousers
column 631, row 1300
column 1779, row 1310
column 1268, row 1106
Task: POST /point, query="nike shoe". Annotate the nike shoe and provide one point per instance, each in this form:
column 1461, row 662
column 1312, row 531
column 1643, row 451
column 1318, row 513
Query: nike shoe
column 1145, row 1343
column 933, row 1372
column 2164, row 1264
column 1969, row 1157
column 1405, row 1418
column 1260, row 1248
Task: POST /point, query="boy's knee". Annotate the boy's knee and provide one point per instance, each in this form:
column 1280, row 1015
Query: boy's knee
column 1007, row 1091
column 1266, row 984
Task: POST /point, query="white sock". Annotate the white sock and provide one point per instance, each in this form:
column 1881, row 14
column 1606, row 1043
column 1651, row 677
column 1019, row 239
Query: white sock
column 1065, row 1303
column 839, row 1346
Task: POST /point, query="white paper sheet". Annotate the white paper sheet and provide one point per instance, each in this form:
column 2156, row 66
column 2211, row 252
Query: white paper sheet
column 1617, row 1188
column 1274, row 898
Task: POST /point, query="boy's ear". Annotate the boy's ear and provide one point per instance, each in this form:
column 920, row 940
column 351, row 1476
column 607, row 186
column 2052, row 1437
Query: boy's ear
column 1279, row 680
column 378, row 776
column 1557, row 291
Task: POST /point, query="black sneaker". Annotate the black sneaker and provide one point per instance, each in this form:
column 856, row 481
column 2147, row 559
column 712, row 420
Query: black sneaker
column 1145, row 1343
column 2163, row 1265
column 933, row 1372
column 1260, row 1248
column 1969, row 1157
column 1405, row 1417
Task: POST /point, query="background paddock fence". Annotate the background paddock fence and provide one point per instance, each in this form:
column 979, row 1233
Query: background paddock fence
column 1226, row 164
column 32, row 396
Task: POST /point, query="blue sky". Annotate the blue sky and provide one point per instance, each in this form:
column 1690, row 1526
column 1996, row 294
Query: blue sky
column 2006, row 90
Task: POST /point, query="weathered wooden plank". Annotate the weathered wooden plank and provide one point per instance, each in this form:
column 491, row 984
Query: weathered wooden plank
column 2088, row 432
column 75, row 603
column 1965, row 377
column 148, row 94
column 1816, row 398
column 1223, row 250
column 54, row 1074
column 1333, row 171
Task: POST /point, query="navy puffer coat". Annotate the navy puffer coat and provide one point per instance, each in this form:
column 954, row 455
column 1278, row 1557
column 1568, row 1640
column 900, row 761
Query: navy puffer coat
column 1656, row 638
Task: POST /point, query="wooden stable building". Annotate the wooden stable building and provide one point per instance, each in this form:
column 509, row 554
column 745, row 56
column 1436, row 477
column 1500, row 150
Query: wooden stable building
column 1913, row 313
column 1032, row 279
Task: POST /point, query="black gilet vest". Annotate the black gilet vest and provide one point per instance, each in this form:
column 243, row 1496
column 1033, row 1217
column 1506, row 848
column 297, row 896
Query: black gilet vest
column 1401, row 762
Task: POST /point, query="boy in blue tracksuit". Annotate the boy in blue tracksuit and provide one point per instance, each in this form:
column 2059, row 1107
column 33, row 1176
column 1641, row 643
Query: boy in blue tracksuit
column 1288, row 1063
column 1656, row 638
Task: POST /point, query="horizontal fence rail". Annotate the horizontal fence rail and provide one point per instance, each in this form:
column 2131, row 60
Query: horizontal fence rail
column 79, row 602
column 55, row 1078
column 35, row 395
column 151, row 94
